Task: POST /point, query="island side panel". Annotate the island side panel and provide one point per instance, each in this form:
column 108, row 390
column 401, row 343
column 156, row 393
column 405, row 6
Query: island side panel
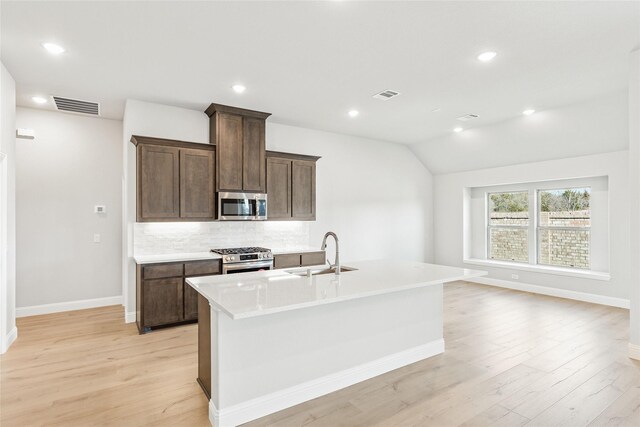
column 204, row 345
column 270, row 356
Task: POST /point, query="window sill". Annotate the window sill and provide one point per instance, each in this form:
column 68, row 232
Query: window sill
column 572, row 272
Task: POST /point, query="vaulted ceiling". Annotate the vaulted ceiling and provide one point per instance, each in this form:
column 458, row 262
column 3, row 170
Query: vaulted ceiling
column 309, row 63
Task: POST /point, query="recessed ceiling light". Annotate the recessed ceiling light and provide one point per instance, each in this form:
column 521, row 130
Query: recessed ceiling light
column 39, row 100
column 238, row 88
column 353, row 113
column 435, row 110
column 487, row 56
column 528, row 112
column 457, row 130
column 53, row 48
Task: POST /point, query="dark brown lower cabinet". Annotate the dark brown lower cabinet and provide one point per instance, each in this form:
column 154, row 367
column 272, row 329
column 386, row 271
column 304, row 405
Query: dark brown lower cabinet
column 190, row 302
column 303, row 259
column 163, row 295
column 162, row 300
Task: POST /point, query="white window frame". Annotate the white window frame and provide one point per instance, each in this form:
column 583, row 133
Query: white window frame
column 520, row 227
column 540, row 228
column 475, row 227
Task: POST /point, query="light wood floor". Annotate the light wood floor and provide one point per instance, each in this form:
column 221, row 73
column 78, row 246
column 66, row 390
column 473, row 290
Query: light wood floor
column 512, row 359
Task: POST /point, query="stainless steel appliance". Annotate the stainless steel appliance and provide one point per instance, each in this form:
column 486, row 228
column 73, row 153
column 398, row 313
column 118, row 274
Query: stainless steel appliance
column 241, row 260
column 242, row 206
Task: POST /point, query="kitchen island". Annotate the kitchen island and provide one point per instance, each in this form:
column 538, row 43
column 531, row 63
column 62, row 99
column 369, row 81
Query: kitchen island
column 272, row 339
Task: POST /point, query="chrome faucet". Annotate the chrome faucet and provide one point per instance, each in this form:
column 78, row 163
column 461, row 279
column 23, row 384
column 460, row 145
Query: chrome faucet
column 324, row 247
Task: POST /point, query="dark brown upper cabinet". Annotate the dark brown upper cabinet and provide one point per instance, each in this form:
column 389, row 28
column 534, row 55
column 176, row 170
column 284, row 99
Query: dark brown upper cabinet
column 176, row 180
column 303, row 189
column 278, row 188
column 239, row 137
column 158, row 195
column 197, row 183
column 291, row 186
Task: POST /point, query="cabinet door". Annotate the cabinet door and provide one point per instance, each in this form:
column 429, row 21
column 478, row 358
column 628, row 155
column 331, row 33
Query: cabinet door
column 229, row 152
column 158, row 183
column 162, row 301
column 196, row 183
column 286, row 261
column 303, row 189
column 253, row 159
column 278, row 188
column 313, row 258
column 190, row 302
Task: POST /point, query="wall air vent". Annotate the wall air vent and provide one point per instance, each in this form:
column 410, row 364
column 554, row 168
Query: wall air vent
column 386, row 95
column 76, row 106
column 468, row 117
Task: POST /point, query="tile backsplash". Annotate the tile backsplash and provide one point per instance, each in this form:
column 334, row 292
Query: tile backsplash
column 178, row 237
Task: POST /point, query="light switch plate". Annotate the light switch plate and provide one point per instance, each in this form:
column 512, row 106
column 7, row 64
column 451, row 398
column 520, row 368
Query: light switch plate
column 96, row 238
column 100, row 209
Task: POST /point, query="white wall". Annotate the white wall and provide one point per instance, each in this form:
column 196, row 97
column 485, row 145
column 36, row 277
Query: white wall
column 375, row 195
column 73, row 164
column 8, row 331
column 592, row 127
column 634, row 189
column 448, row 215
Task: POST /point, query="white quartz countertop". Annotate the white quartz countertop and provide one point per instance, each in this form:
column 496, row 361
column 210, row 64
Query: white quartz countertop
column 181, row 257
column 266, row 292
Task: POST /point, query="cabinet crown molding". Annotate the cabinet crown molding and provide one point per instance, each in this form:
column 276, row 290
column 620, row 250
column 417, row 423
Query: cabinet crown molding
column 139, row 139
column 292, row 156
column 214, row 108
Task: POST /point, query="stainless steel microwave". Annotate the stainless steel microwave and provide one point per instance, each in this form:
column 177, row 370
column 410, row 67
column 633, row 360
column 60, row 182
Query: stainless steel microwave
column 242, row 206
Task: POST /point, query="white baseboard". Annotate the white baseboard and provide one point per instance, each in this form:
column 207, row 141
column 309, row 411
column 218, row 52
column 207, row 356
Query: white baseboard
column 282, row 399
column 634, row 351
column 8, row 339
column 67, row 306
column 554, row 292
column 130, row 317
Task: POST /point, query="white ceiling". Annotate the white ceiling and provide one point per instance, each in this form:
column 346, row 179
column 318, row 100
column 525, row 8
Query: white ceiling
column 308, row 63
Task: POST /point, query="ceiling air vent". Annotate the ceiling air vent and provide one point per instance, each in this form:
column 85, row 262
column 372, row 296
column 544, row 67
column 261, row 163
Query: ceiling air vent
column 76, row 106
column 468, row 117
column 386, row 94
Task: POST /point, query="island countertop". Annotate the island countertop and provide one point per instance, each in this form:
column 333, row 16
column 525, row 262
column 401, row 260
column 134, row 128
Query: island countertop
column 266, row 292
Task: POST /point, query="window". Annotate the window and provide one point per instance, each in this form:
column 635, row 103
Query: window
column 564, row 227
column 555, row 226
column 508, row 226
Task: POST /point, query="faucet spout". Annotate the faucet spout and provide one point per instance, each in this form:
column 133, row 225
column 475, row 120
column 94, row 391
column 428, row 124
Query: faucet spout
column 336, row 265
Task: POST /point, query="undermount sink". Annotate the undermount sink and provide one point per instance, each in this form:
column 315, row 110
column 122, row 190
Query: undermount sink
column 317, row 271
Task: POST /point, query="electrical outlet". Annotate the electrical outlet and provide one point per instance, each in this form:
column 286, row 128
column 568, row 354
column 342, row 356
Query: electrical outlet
column 96, row 238
column 515, row 276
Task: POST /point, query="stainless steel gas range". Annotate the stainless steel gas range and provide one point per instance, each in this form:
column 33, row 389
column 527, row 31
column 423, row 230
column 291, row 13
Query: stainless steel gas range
column 241, row 260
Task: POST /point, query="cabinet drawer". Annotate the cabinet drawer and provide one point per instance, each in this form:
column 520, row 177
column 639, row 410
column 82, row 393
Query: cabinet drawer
column 313, row 258
column 199, row 268
column 162, row 270
column 286, row 261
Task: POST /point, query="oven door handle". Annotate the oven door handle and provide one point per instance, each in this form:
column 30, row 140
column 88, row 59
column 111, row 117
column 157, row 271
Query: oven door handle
column 250, row 264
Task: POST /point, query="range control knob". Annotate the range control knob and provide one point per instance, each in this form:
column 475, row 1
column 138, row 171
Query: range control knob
column 227, row 258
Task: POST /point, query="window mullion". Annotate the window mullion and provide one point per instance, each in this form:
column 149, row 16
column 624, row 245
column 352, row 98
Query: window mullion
column 533, row 221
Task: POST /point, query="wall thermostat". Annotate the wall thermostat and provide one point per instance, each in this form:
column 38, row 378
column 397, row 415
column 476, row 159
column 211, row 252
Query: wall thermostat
column 100, row 209
column 25, row 133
